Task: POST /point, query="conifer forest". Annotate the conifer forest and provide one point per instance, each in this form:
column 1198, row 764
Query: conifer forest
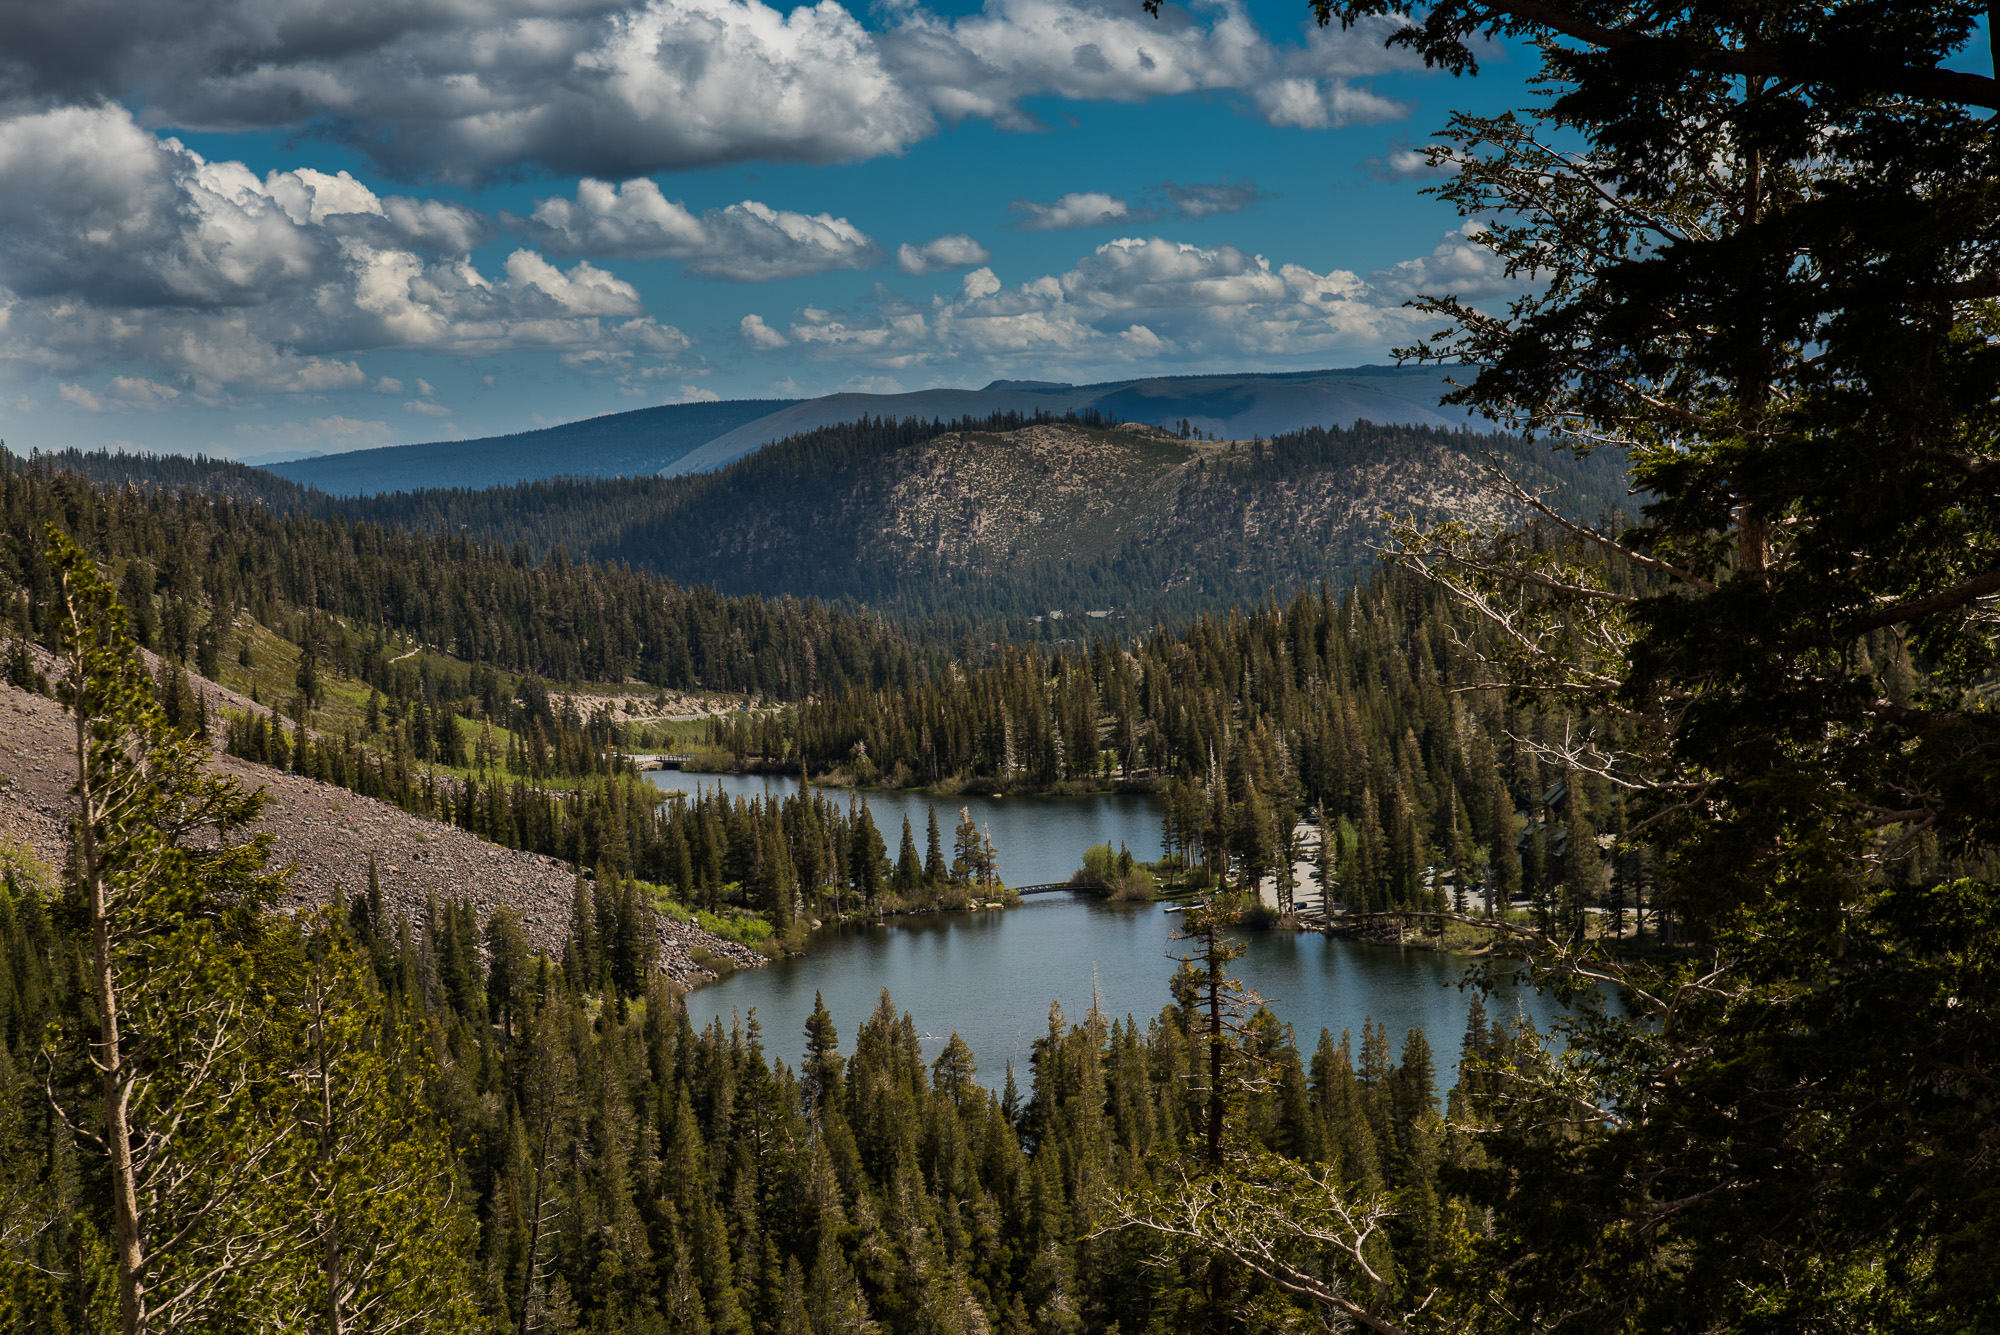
column 1682, row 720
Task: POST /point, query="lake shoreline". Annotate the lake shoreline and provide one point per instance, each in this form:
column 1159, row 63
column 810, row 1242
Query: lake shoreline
column 1137, row 786
column 992, row 977
column 1495, row 947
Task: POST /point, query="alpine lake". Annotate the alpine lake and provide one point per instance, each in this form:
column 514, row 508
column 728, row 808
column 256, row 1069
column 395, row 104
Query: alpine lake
column 992, row 975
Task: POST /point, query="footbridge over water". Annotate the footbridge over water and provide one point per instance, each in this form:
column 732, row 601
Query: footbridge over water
column 659, row 760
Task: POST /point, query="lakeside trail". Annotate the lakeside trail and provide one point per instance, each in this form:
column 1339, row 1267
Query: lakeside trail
column 328, row 833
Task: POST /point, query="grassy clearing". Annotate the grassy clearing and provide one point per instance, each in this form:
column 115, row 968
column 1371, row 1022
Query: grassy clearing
column 741, row 926
column 271, row 678
column 732, row 924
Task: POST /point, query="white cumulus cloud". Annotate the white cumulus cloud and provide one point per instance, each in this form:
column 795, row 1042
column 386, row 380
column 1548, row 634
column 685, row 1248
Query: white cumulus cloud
column 953, row 251
column 1461, row 265
column 1137, row 301
column 747, row 242
column 470, row 89
column 1098, row 208
column 121, row 248
column 1081, row 208
column 1402, row 162
column 986, row 65
column 80, row 396
column 758, row 336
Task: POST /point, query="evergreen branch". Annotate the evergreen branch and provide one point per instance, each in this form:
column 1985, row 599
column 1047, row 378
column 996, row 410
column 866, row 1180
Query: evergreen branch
column 1509, row 486
column 1854, row 70
column 1246, row 1216
column 1958, row 595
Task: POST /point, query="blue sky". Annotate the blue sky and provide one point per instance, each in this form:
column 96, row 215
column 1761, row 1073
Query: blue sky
column 258, row 226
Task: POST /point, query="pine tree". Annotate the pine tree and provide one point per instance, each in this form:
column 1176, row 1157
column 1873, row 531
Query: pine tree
column 549, row 1106
column 380, row 1216
column 822, row 1067
column 868, row 857
column 169, row 896
column 989, row 861
column 968, row 850
column 509, row 974
column 935, row 871
column 583, row 935
column 909, row 875
column 1588, row 884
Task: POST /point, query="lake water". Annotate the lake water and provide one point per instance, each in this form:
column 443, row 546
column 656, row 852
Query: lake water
column 1041, row 839
column 991, row 975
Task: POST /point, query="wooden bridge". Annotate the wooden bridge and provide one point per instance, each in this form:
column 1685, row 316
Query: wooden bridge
column 1055, row 886
column 662, row 760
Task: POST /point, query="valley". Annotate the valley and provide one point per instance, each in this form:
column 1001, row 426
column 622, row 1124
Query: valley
column 1052, row 811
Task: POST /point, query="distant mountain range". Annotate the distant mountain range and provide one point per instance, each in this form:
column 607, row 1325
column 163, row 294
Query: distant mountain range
column 647, row 440
column 700, row 437
column 279, row 457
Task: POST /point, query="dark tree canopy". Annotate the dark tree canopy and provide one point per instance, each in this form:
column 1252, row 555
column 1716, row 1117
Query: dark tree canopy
column 1759, row 245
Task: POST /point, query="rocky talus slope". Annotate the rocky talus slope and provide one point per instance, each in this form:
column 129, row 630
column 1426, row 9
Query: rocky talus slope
column 327, row 834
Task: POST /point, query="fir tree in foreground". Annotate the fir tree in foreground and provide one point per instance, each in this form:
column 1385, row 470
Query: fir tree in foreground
column 1766, row 258
column 228, row 1078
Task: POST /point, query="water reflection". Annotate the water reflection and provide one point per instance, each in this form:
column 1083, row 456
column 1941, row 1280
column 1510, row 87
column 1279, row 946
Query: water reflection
column 1041, row 839
column 992, row 976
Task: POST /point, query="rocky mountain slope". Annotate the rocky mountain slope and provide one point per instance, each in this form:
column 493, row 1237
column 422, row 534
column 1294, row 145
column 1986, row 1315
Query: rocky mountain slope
column 1002, row 520
column 988, row 504
column 1063, row 517
column 328, row 834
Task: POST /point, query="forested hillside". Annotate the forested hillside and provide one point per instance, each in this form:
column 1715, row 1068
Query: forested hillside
column 1349, row 712
column 982, row 527
column 200, row 558
column 968, row 524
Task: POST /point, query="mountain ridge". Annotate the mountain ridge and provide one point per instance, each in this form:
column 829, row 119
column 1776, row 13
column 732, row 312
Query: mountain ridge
column 965, row 526
column 681, row 439
column 644, row 440
column 987, row 524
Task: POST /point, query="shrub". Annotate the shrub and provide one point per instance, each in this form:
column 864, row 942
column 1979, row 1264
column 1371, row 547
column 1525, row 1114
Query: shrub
column 710, row 962
column 1117, row 875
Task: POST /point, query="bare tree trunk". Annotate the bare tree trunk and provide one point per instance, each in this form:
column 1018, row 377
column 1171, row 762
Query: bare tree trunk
column 535, row 1229
column 115, row 1071
column 1753, row 542
column 336, row 1322
column 1216, row 1105
column 1218, row 1274
column 1753, row 529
